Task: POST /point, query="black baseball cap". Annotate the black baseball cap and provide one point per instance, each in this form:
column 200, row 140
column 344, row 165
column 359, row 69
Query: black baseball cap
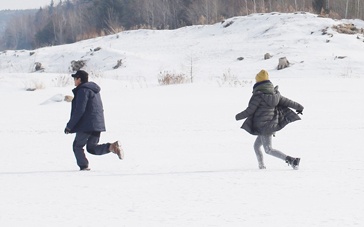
column 81, row 74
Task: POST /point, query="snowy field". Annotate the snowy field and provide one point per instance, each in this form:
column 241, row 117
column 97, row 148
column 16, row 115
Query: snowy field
column 187, row 162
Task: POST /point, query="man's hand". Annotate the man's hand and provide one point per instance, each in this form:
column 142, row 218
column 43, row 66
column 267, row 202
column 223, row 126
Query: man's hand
column 67, row 130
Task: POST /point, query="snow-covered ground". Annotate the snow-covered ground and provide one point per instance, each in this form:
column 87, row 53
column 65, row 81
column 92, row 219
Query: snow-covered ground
column 187, row 162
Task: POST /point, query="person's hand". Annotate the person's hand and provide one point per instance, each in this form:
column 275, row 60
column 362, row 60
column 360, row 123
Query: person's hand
column 67, row 130
column 299, row 112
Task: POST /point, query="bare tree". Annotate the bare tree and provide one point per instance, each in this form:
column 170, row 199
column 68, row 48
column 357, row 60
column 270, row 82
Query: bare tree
column 295, row 5
column 346, row 8
column 59, row 24
column 358, row 9
column 149, row 8
column 111, row 21
column 19, row 33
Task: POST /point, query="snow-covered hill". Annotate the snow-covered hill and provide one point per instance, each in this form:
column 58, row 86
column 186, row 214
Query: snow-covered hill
column 211, row 50
column 187, row 162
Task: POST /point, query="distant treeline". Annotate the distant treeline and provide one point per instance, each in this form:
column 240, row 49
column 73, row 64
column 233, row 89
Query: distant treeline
column 74, row 20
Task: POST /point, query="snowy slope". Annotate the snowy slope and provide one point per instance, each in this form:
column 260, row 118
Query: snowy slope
column 213, row 49
column 187, row 162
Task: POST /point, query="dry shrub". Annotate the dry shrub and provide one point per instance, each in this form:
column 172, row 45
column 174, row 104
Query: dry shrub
column 62, row 81
column 230, row 80
column 142, row 26
column 334, row 15
column 89, row 35
column 95, row 74
column 167, row 78
column 347, row 29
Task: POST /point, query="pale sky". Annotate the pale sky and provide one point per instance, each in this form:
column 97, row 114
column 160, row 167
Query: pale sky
column 24, row 4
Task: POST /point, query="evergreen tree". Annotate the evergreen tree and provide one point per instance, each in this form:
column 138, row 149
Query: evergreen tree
column 45, row 36
column 318, row 5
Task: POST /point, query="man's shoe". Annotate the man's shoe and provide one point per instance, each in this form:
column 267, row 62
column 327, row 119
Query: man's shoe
column 85, row 169
column 116, row 149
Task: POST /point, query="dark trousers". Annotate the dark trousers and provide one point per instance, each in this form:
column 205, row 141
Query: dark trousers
column 91, row 140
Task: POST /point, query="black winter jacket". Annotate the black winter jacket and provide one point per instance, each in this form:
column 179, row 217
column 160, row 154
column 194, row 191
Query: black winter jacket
column 268, row 111
column 87, row 113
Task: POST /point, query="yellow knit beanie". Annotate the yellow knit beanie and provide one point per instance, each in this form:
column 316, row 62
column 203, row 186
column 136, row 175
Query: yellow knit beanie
column 262, row 76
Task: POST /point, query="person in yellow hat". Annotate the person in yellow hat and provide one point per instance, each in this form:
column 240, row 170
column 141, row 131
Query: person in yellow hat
column 268, row 112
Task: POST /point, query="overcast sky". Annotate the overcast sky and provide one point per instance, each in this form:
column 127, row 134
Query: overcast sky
column 24, row 4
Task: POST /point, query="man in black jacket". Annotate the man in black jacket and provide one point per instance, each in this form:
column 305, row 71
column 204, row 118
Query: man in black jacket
column 87, row 121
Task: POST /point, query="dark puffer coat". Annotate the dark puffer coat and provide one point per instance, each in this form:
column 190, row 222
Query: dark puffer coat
column 87, row 114
column 268, row 111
